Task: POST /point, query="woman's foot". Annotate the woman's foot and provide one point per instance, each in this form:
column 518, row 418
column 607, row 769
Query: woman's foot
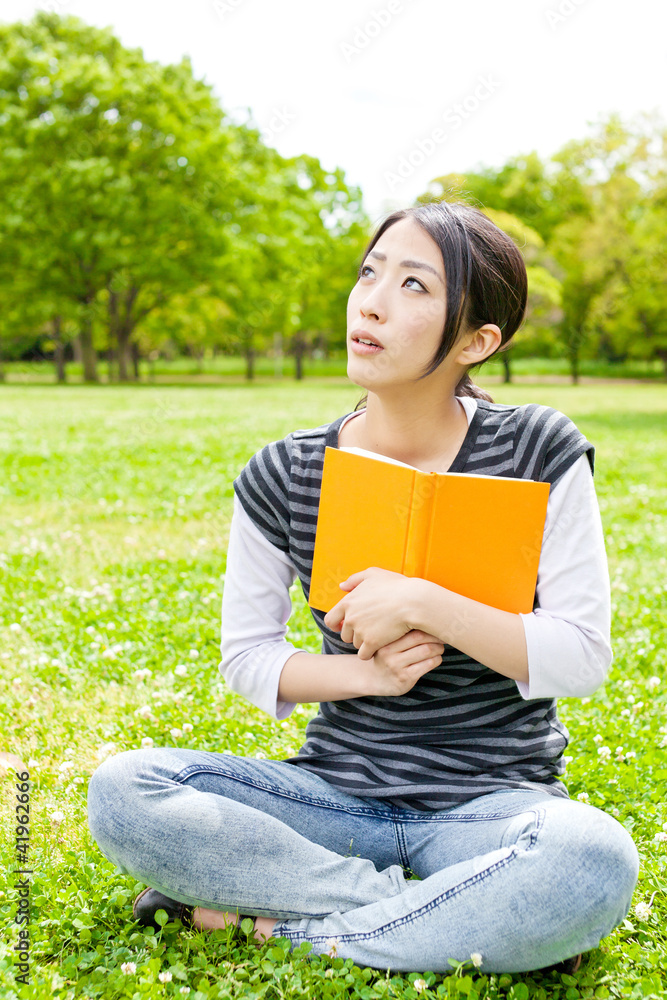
column 213, row 920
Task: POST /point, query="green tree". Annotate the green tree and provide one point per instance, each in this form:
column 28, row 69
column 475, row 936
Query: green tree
column 114, row 174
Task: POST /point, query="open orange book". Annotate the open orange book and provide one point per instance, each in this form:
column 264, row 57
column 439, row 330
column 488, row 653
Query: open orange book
column 480, row 536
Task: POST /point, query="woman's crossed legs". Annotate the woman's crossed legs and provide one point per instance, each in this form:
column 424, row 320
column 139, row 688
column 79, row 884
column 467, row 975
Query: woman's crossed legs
column 524, row 878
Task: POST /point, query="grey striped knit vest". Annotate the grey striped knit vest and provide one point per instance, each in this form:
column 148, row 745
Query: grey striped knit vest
column 463, row 730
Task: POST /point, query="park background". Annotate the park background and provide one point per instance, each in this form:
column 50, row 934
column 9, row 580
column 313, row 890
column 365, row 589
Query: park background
column 173, row 295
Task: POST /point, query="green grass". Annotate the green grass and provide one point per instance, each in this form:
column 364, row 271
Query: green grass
column 185, row 370
column 116, row 506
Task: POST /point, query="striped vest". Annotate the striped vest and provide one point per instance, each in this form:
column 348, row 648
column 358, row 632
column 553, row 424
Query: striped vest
column 463, row 730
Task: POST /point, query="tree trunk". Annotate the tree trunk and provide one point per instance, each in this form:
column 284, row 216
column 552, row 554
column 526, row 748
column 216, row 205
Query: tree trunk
column 124, row 352
column 112, row 310
column 299, row 351
column 662, row 354
column 76, row 350
column 249, row 363
column 249, row 353
column 2, row 367
column 574, row 363
column 507, row 369
column 88, row 353
column 136, row 355
column 277, row 354
column 59, row 351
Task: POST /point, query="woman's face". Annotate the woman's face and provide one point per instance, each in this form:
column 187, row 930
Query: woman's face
column 399, row 302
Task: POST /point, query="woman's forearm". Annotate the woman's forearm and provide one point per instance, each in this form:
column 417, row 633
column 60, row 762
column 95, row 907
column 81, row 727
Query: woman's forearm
column 310, row 677
column 492, row 637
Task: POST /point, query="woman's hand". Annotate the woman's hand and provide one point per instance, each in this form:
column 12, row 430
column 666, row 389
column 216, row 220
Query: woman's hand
column 396, row 667
column 373, row 614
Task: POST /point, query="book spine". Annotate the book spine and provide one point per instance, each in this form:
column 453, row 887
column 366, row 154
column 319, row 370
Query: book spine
column 419, row 524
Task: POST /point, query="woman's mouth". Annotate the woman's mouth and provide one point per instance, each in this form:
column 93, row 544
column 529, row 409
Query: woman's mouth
column 363, row 344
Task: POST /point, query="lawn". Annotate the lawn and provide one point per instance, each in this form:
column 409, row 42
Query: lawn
column 116, row 506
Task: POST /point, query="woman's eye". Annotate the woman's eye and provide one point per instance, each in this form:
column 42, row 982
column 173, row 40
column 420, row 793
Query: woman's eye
column 367, row 267
column 418, row 282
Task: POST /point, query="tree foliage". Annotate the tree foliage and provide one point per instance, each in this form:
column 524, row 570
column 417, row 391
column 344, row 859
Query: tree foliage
column 599, row 207
column 126, row 192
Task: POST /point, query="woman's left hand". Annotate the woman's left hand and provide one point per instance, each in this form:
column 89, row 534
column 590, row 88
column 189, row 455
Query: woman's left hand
column 373, row 613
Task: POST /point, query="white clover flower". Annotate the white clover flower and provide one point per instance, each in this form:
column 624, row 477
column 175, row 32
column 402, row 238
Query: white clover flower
column 476, row 959
column 653, row 682
column 15, row 627
column 175, row 733
column 331, row 944
column 129, row 968
column 604, row 753
column 566, row 760
column 141, row 675
column 56, row 817
column 630, row 754
column 165, row 977
column 597, row 738
column 660, row 837
column 147, row 742
column 187, row 727
column 104, row 750
column 642, row 911
column 181, row 670
column 144, row 711
column 420, row 985
column 582, row 797
column 194, row 654
column 184, row 990
column 626, row 713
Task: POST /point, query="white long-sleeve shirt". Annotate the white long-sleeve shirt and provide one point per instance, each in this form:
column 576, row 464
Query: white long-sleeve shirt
column 567, row 636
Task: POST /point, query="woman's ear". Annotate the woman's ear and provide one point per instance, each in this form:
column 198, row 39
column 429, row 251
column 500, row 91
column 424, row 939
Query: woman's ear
column 477, row 346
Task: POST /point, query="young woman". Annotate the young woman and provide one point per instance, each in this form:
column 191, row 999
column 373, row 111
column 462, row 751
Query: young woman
column 437, row 749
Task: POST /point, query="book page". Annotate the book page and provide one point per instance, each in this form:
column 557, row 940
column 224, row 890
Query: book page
column 404, row 465
column 374, row 454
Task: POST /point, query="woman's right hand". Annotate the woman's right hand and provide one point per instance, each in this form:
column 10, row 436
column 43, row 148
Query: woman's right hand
column 396, row 667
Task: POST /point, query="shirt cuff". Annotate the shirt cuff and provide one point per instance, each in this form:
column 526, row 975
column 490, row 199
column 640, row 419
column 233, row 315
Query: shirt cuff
column 564, row 661
column 255, row 675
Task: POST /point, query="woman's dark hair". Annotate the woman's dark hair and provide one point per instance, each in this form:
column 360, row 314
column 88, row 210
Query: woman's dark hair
column 485, row 276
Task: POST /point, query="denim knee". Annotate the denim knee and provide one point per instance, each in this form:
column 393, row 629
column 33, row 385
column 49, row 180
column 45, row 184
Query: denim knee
column 111, row 793
column 606, row 859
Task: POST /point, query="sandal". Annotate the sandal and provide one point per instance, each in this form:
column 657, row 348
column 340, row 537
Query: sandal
column 150, row 901
column 568, row 966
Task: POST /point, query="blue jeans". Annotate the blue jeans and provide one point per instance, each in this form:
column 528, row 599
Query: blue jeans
column 524, row 878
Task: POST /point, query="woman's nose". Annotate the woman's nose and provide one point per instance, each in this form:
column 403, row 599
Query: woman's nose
column 371, row 304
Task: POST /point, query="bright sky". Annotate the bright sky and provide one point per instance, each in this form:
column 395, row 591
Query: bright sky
column 397, row 92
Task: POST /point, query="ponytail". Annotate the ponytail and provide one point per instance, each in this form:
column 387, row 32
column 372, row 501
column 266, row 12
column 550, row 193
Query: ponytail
column 485, row 274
